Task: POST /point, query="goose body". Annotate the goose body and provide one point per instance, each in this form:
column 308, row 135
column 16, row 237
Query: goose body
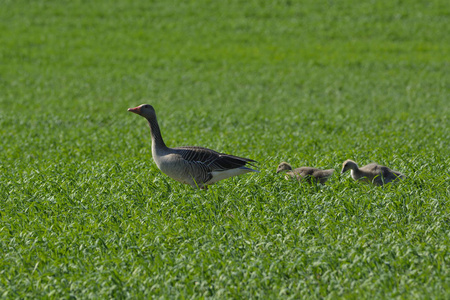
column 196, row 166
column 303, row 173
column 372, row 173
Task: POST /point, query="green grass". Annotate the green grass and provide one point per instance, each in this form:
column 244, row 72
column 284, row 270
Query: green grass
column 85, row 213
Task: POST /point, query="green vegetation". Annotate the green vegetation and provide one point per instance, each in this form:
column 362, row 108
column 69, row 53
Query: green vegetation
column 85, row 213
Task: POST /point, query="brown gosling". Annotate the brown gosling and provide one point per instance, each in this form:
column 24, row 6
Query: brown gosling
column 371, row 173
column 305, row 173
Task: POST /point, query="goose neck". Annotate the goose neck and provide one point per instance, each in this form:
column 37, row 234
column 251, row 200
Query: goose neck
column 356, row 173
column 157, row 140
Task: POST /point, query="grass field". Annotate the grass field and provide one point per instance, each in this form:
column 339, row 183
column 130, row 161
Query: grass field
column 85, row 213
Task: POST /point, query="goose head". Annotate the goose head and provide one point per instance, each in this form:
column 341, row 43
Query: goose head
column 145, row 110
column 348, row 165
column 284, row 166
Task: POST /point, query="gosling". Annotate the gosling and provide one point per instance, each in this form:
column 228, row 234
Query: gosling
column 371, row 173
column 310, row 174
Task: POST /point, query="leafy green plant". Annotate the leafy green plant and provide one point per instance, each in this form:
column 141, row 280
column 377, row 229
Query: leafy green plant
column 85, row 213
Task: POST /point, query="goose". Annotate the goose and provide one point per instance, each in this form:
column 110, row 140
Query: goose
column 196, row 166
column 374, row 173
column 303, row 173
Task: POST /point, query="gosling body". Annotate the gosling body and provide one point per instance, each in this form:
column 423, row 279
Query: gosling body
column 371, row 173
column 305, row 173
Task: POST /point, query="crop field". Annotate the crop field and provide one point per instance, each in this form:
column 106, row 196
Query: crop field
column 86, row 214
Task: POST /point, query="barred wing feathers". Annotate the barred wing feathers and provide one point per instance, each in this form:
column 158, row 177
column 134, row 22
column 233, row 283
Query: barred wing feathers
column 216, row 161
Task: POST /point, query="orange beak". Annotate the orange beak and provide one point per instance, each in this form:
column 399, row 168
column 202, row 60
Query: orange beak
column 136, row 110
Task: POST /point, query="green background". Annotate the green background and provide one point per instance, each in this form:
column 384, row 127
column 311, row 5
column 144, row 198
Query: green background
column 85, row 213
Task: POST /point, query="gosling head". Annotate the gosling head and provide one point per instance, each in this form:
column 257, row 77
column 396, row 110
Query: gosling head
column 284, row 166
column 348, row 165
column 145, row 110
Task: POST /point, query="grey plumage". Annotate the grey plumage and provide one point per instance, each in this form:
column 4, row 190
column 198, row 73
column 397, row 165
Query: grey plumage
column 196, row 166
column 372, row 173
column 305, row 173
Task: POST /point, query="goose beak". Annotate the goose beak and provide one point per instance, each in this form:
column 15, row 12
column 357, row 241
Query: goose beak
column 136, row 110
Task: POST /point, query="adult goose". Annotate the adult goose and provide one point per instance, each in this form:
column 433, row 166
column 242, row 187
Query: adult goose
column 372, row 173
column 305, row 173
column 196, row 166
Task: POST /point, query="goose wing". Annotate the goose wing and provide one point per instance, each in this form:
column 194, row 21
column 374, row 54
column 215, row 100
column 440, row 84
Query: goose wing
column 390, row 175
column 325, row 173
column 305, row 171
column 215, row 161
column 372, row 168
column 318, row 174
